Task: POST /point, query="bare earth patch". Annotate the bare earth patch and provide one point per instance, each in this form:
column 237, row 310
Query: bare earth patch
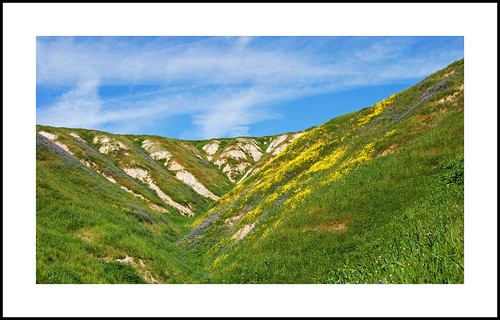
column 276, row 142
column 139, row 266
column 127, row 259
column 234, row 154
column 234, row 170
column 240, row 234
column 65, row 147
column 156, row 207
column 391, row 149
column 251, row 147
column 75, row 135
column 175, row 166
column 188, row 178
column 248, row 173
column 133, row 193
column 161, row 155
column 279, row 149
column 230, row 222
column 211, row 148
column 110, row 178
column 108, row 144
column 143, row 175
column 285, row 144
column 156, row 151
column 220, row 162
column 86, row 235
column 48, row 135
column 451, row 96
column 245, row 149
column 449, row 73
column 191, row 181
column 53, row 137
column 295, row 136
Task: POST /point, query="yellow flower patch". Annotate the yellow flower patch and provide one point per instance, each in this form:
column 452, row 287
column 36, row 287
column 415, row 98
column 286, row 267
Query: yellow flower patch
column 377, row 109
column 328, row 161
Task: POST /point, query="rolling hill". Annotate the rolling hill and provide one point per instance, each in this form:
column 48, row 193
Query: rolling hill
column 374, row 196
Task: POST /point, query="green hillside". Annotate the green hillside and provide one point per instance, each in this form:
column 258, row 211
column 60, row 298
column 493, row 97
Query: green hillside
column 111, row 207
column 372, row 196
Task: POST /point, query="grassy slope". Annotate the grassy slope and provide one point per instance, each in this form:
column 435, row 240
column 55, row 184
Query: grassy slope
column 360, row 199
column 83, row 220
column 115, row 161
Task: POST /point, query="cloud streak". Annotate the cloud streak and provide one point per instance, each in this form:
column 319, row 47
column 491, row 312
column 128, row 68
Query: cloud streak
column 224, row 84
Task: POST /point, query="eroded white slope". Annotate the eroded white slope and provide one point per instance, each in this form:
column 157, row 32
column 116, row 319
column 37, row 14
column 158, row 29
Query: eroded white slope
column 145, row 177
column 158, row 152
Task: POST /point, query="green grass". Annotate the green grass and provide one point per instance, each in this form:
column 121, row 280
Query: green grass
column 398, row 218
column 83, row 219
column 404, row 225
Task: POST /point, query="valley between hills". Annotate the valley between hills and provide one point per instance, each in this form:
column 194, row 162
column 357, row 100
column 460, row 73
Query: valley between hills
column 373, row 196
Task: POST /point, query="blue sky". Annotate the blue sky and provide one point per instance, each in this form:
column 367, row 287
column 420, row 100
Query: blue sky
column 213, row 87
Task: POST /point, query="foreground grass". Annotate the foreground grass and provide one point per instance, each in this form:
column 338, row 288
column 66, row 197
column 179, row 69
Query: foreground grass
column 359, row 199
column 85, row 224
column 402, row 216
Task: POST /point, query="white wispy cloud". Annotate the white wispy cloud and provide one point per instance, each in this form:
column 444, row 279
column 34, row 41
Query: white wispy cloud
column 80, row 107
column 223, row 83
